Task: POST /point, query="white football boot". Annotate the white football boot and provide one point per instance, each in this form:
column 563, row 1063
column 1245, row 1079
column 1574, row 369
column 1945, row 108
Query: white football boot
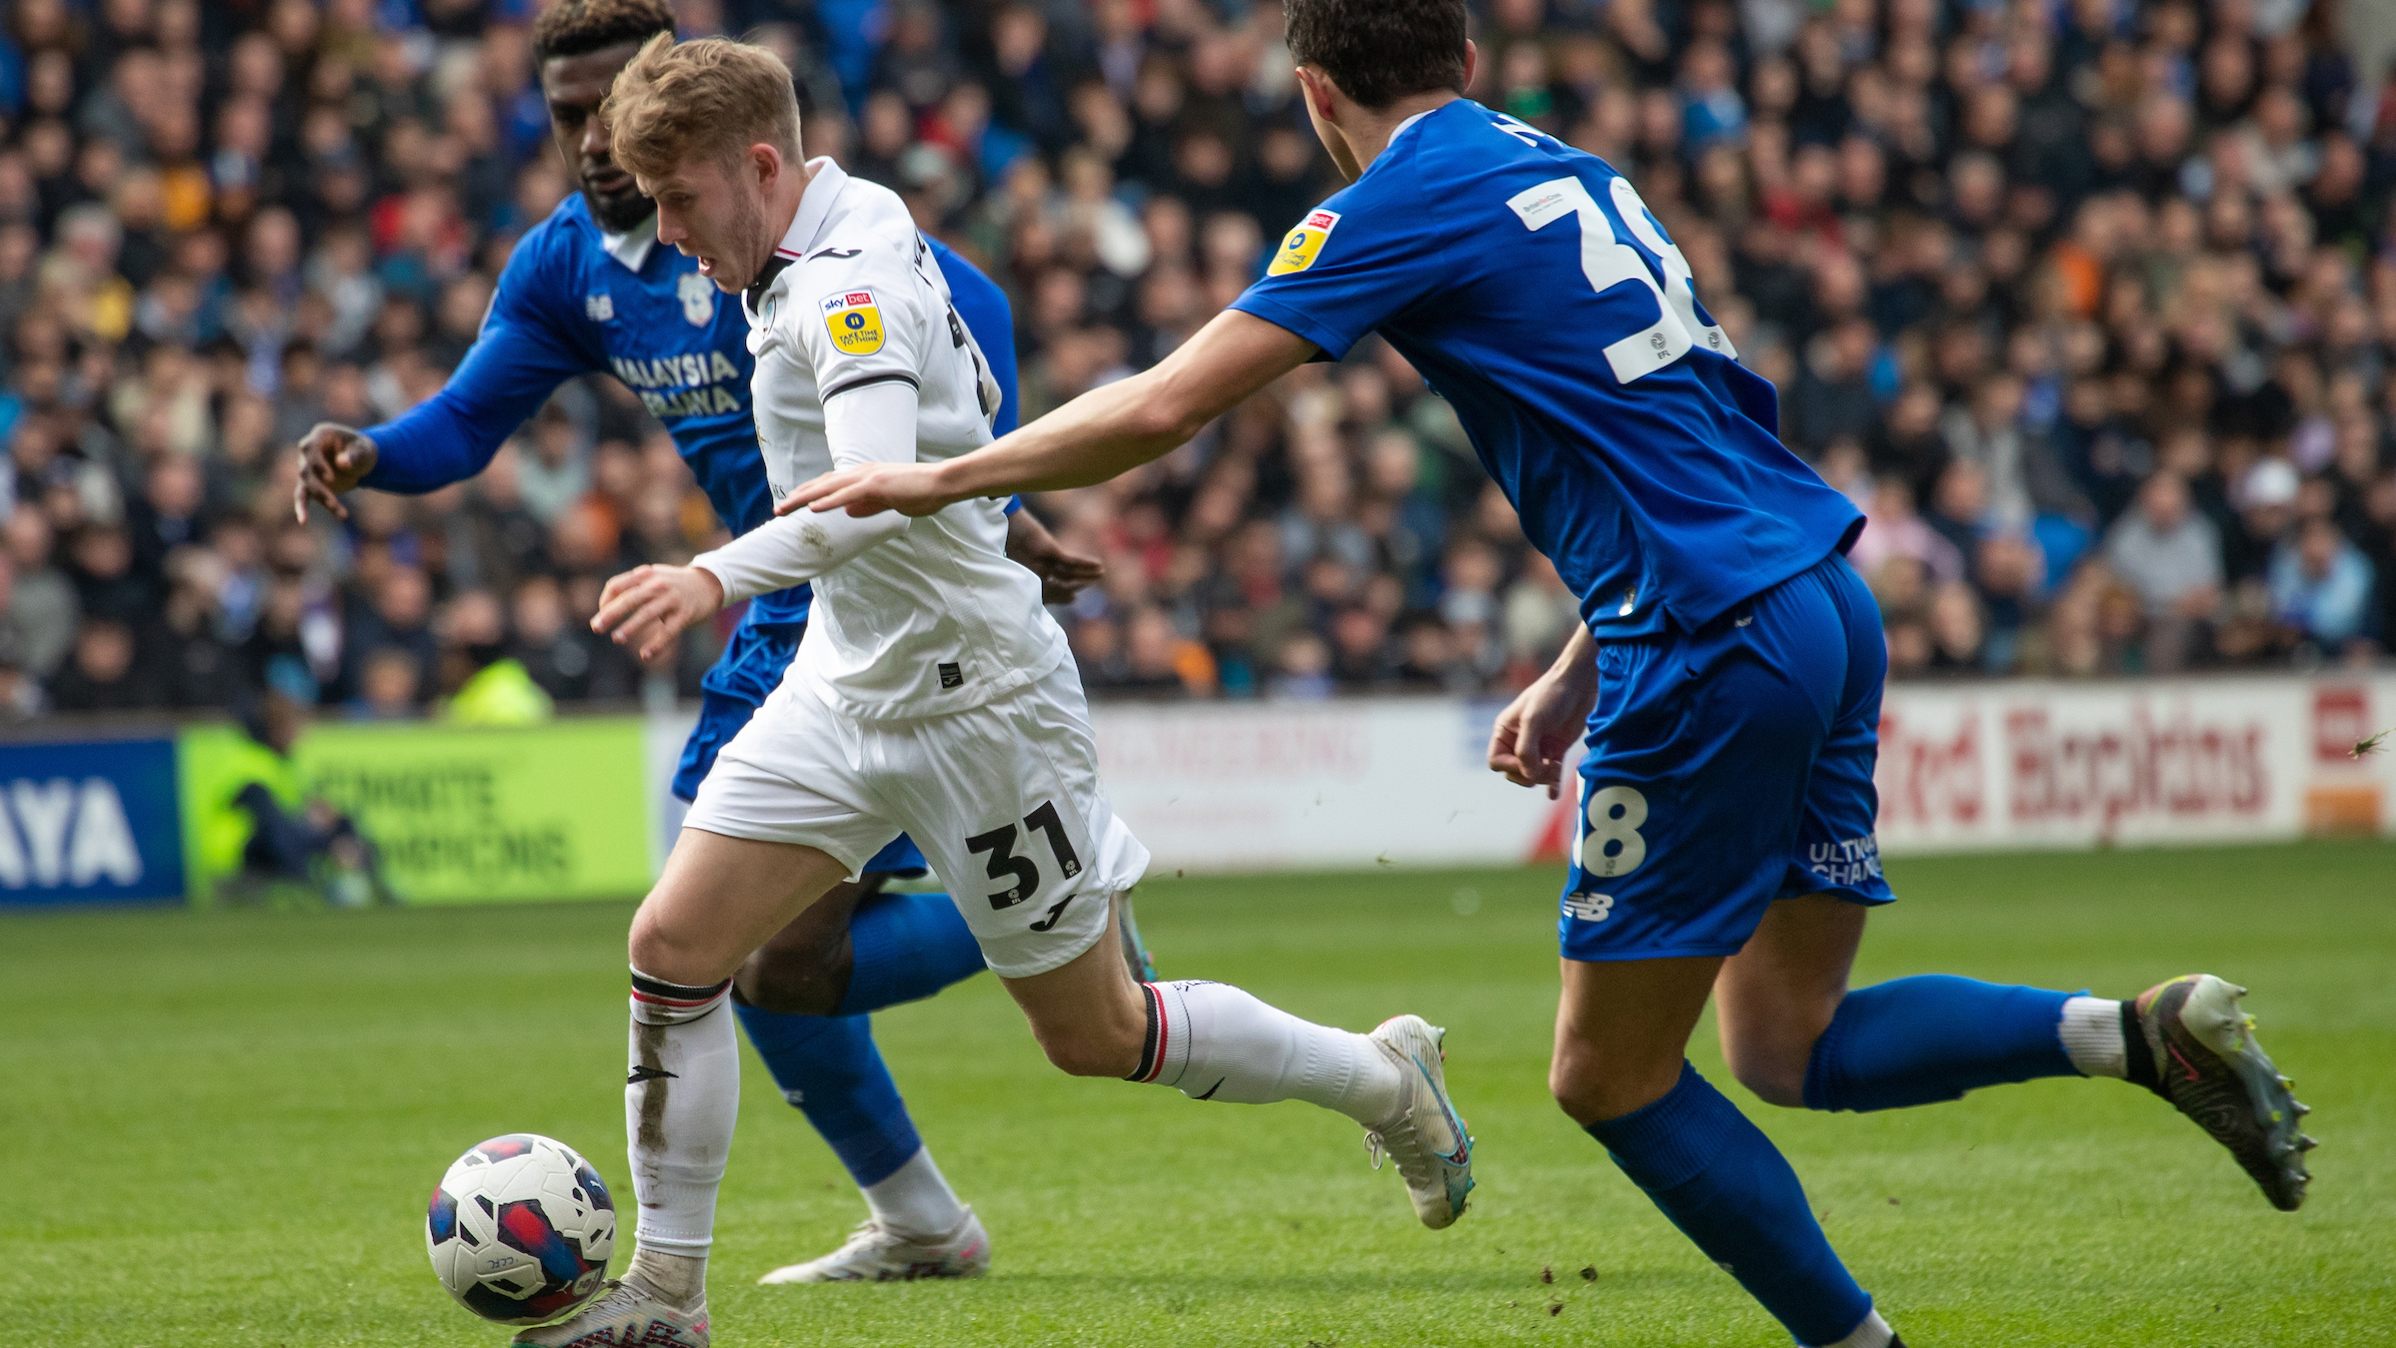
column 623, row 1315
column 1429, row 1143
column 874, row 1253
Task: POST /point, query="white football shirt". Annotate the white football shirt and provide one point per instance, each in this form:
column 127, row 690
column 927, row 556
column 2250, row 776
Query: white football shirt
column 935, row 619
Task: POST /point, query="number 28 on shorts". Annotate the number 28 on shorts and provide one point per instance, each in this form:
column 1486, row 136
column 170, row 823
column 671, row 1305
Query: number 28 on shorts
column 1611, row 846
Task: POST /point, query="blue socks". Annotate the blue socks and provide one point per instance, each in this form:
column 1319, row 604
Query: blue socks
column 830, row 1069
column 1722, row 1182
column 1919, row 1040
column 1728, row 1189
column 907, row 946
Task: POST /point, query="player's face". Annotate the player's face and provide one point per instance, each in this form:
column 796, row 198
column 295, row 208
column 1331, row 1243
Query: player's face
column 575, row 86
column 715, row 213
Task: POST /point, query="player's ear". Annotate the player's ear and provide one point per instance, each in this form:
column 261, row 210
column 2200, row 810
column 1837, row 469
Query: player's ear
column 1319, row 91
column 1472, row 61
column 766, row 162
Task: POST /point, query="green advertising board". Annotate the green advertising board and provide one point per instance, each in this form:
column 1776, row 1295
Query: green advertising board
column 557, row 811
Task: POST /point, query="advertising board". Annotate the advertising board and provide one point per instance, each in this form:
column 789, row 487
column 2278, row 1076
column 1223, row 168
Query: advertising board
column 89, row 821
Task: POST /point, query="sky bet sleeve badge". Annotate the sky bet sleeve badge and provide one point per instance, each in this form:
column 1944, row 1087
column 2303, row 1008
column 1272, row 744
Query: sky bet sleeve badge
column 855, row 321
column 1299, row 249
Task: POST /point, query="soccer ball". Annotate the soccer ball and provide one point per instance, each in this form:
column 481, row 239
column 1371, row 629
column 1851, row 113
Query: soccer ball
column 520, row 1230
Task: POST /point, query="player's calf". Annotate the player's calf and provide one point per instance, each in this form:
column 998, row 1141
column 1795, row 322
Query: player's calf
column 1088, row 1016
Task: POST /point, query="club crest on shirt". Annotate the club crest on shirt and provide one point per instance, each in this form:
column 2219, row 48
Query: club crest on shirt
column 697, row 294
column 855, row 322
column 1299, row 250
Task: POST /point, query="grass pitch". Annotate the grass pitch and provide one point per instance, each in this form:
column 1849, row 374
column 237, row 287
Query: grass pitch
column 219, row 1130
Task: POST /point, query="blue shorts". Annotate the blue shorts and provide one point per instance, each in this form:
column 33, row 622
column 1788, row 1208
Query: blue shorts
column 730, row 693
column 1727, row 768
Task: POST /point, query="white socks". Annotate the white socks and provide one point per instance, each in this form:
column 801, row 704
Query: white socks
column 1874, row 1332
column 679, row 1280
column 2092, row 1034
column 680, row 1099
column 1215, row 1042
column 915, row 1201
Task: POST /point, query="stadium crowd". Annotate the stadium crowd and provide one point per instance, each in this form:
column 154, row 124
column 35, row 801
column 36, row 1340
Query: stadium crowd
column 2090, row 306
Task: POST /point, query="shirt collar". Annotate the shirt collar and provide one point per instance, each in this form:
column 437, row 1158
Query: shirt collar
column 814, row 208
column 632, row 246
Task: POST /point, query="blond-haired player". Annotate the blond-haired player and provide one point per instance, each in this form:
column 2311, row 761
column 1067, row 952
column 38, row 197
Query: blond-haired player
column 932, row 695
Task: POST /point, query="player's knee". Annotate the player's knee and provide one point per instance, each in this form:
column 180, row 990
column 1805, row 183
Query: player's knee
column 1770, row 1054
column 1589, row 1088
column 659, row 950
column 1577, row 1080
column 788, row 984
column 1576, row 1089
column 1090, row 1050
column 1774, row 1078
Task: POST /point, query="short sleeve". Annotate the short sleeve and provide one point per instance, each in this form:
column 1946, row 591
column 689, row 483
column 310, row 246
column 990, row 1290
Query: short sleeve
column 861, row 326
column 1350, row 265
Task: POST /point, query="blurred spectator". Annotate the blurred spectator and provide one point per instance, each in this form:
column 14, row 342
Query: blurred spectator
column 487, row 686
column 100, row 674
column 2321, row 587
column 42, row 610
column 390, row 686
column 2170, row 557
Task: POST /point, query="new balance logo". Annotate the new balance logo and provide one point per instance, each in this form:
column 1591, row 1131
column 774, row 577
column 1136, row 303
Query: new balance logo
column 1589, row 907
column 644, row 1072
column 838, row 254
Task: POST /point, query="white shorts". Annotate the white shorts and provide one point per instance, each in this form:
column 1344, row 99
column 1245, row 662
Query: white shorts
column 1004, row 800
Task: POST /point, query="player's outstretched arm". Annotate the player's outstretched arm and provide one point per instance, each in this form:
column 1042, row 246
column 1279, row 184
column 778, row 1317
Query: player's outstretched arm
column 1534, row 732
column 332, row 459
column 1096, row 436
column 516, row 362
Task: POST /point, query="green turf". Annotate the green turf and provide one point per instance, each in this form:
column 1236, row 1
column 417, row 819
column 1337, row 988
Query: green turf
column 220, row 1130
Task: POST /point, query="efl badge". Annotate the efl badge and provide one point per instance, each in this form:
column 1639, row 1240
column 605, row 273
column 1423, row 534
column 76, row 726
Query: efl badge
column 697, row 294
column 1298, row 251
column 855, row 321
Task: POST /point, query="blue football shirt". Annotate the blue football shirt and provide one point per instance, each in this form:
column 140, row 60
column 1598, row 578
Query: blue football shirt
column 568, row 305
column 1533, row 289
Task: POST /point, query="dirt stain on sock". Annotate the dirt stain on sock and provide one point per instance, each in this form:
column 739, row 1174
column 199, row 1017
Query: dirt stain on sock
column 650, row 1075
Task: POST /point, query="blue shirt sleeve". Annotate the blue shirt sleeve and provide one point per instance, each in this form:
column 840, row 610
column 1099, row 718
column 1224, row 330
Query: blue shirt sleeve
column 517, row 361
column 1351, row 264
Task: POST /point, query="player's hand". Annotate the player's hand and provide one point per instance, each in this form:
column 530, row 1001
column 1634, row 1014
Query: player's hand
column 1537, row 729
column 1062, row 574
column 908, row 488
column 648, row 606
column 332, row 460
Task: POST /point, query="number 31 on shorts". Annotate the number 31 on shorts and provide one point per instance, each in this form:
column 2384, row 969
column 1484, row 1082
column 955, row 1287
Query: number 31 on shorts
column 1006, row 864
